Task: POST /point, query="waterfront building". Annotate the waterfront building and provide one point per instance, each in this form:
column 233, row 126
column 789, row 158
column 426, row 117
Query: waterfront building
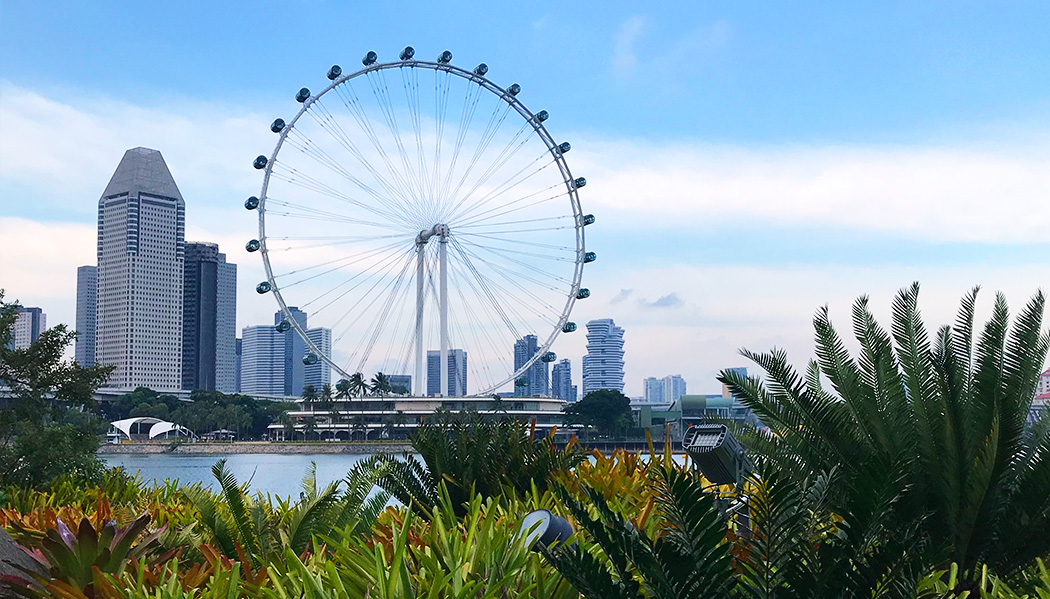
column 603, row 364
column 141, row 246
column 87, row 304
column 319, row 373
column 457, row 373
column 654, row 390
column 535, row 378
column 29, row 323
column 1043, row 386
column 401, row 380
column 209, row 317
column 262, row 360
column 561, row 381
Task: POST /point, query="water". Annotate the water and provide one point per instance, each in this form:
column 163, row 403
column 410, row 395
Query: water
column 270, row 473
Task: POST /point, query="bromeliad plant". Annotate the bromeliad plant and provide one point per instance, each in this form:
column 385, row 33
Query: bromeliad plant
column 71, row 562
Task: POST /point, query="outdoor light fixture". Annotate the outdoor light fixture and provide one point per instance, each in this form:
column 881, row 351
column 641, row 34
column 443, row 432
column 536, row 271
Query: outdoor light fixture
column 542, row 528
column 718, row 454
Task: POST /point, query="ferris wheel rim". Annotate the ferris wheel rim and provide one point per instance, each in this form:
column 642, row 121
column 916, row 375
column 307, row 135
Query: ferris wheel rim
column 539, row 130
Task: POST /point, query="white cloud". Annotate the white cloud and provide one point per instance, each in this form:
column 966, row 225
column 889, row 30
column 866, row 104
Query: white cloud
column 624, row 58
column 936, row 193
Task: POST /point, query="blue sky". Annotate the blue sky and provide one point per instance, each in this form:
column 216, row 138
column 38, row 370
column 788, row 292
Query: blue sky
column 739, row 154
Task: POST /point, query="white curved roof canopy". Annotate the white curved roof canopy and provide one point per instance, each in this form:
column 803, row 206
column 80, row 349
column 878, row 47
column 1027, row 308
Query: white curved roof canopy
column 165, row 427
column 157, row 427
column 125, row 425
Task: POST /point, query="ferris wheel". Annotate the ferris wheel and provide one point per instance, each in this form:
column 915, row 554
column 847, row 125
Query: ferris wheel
column 414, row 208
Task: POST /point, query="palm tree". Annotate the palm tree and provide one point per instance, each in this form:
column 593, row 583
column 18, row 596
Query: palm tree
column 923, row 441
column 380, row 384
column 358, row 386
column 357, row 423
column 326, row 394
column 309, row 396
column 343, row 389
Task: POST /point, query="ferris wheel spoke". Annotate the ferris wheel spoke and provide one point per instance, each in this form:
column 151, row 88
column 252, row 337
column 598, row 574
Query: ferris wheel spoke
column 357, row 111
column 548, row 246
column 343, row 262
column 337, row 241
column 511, row 256
column 331, row 125
column 403, row 260
column 515, row 232
column 473, row 328
column 499, row 114
column 493, row 349
column 484, row 289
column 480, row 218
column 519, row 222
column 364, row 276
column 505, row 155
column 508, row 296
column 303, row 211
column 295, row 177
column 470, row 104
column 513, row 181
column 382, row 95
column 380, row 321
column 410, row 81
column 441, row 93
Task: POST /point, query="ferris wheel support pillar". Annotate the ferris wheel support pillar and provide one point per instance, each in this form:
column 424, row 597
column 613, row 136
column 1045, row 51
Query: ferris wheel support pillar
column 442, row 230
column 420, row 380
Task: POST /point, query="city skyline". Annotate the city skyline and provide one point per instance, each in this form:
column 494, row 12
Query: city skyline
column 845, row 186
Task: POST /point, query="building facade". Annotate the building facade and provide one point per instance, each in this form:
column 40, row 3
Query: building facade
column 603, row 364
column 209, row 317
column 561, row 381
column 674, row 387
column 401, row 381
column 29, row 323
column 319, row 374
column 457, row 373
column 654, row 389
column 1043, row 386
column 535, row 378
column 87, row 303
column 294, row 371
column 237, row 365
column 262, row 360
column 141, row 246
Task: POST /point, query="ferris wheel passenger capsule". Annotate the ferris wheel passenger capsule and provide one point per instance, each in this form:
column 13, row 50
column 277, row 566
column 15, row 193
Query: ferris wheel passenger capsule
column 407, row 53
column 583, row 293
column 580, row 182
column 445, row 58
column 262, row 287
column 481, row 69
column 277, row 125
column 564, row 147
column 568, row 327
column 542, row 116
column 589, row 257
column 549, row 357
column 588, row 219
column 303, row 95
column 514, row 89
column 334, row 72
column 283, row 327
column 260, row 162
column 310, row 359
column 251, row 203
column 252, row 246
column 369, row 59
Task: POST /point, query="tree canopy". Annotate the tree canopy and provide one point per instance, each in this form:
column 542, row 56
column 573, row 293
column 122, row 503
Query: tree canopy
column 607, row 410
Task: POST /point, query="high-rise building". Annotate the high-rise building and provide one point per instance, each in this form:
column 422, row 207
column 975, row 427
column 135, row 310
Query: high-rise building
column 209, row 317
column 674, row 387
column 654, row 390
column 398, row 381
column 535, row 378
column 29, row 323
column 603, row 364
column 141, row 245
column 87, row 302
column 262, row 360
column 319, row 374
column 741, row 371
column 294, row 349
column 237, row 365
column 457, row 372
column 561, row 381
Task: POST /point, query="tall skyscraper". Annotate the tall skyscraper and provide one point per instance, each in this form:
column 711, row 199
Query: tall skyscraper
column 603, row 364
column 141, row 245
column 87, row 302
column 457, row 372
column 294, row 349
column 535, row 378
column 320, row 373
column 237, row 365
column 654, row 390
column 209, row 316
column 262, row 360
column 29, row 323
column 561, row 381
column 674, row 387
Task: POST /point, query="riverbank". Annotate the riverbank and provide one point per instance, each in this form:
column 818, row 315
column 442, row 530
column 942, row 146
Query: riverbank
column 262, row 447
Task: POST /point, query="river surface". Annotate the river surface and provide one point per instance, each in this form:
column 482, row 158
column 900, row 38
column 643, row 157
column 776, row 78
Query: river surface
column 270, row 473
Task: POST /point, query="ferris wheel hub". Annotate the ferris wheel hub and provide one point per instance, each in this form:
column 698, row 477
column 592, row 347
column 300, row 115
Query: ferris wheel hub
column 440, row 231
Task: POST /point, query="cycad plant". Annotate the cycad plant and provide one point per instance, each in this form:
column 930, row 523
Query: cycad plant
column 927, row 439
